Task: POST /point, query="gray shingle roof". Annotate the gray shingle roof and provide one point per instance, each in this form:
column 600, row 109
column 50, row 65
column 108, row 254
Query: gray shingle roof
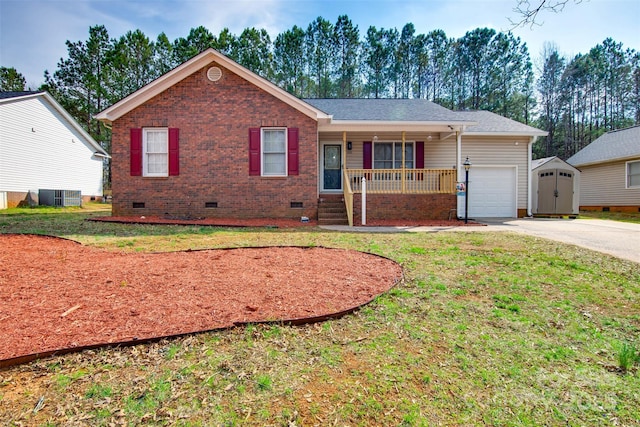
column 489, row 122
column 15, row 94
column 401, row 110
column 615, row 145
column 539, row 162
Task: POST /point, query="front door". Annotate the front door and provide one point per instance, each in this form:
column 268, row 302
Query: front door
column 332, row 161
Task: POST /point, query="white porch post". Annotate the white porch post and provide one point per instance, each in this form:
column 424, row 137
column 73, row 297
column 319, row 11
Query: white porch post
column 364, row 201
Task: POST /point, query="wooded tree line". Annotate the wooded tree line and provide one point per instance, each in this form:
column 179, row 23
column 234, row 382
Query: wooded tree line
column 574, row 99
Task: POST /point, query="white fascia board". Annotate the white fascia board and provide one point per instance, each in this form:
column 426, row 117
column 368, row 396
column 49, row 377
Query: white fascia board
column 391, row 126
column 184, row 70
column 526, row 133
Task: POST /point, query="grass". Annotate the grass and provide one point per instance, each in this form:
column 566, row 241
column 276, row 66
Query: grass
column 491, row 328
column 615, row 216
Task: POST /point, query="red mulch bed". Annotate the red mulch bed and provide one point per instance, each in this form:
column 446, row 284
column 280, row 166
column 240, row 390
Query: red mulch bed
column 56, row 294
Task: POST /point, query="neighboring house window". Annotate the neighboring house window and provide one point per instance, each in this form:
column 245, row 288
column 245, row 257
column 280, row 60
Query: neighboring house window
column 633, row 174
column 154, row 152
column 388, row 155
column 273, row 151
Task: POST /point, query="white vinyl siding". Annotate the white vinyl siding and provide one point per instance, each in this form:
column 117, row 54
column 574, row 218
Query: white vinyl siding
column 39, row 149
column 155, row 149
column 633, row 174
column 274, row 152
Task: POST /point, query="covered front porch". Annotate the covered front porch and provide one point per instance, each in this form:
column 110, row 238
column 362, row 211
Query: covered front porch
column 403, row 174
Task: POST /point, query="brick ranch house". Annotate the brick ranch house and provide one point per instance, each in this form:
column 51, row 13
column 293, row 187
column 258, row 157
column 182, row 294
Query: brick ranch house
column 212, row 139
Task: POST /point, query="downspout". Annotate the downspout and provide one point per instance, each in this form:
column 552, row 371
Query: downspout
column 529, row 175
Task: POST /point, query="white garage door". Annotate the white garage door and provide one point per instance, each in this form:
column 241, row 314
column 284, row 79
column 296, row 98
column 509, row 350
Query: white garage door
column 492, row 192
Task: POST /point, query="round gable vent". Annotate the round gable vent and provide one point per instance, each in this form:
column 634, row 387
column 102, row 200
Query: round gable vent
column 214, row 74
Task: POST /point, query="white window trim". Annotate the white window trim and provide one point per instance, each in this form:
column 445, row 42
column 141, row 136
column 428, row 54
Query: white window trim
column 627, row 180
column 286, row 152
column 373, row 152
column 145, row 165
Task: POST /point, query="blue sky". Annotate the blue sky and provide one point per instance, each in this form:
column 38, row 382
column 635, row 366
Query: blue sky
column 33, row 32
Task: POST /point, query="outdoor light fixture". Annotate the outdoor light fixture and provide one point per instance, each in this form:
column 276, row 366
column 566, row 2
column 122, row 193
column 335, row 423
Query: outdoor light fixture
column 349, row 145
column 375, row 138
column 467, row 166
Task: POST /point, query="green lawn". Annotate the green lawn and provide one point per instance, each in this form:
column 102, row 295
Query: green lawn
column 615, row 216
column 487, row 328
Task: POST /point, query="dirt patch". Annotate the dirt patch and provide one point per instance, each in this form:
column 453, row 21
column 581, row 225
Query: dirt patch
column 57, row 294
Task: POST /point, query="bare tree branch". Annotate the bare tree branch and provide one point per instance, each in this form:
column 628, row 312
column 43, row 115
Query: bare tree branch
column 529, row 11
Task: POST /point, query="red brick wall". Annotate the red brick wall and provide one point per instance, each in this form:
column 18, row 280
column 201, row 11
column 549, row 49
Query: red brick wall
column 214, row 120
column 404, row 206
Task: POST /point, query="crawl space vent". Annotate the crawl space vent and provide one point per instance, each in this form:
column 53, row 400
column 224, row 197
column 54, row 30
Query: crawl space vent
column 214, row 74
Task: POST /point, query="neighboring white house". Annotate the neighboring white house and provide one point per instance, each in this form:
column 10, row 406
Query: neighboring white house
column 43, row 148
column 555, row 187
column 610, row 172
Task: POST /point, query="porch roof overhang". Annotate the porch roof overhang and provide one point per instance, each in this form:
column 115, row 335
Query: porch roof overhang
column 393, row 126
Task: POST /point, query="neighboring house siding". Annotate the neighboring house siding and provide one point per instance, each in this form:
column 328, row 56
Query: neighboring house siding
column 40, row 150
column 604, row 185
column 500, row 151
column 214, row 119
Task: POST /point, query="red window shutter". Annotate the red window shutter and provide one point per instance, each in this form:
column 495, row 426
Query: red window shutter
column 254, row 151
column 419, row 154
column 367, row 155
column 292, row 152
column 135, row 151
column 174, row 152
column 420, row 159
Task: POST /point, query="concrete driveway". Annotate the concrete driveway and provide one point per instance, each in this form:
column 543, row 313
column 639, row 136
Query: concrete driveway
column 620, row 239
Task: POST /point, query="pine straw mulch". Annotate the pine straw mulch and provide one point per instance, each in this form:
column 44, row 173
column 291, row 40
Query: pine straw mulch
column 57, row 294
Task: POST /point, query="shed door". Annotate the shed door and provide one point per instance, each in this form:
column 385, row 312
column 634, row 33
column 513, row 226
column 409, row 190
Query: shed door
column 555, row 191
column 547, row 191
column 564, row 201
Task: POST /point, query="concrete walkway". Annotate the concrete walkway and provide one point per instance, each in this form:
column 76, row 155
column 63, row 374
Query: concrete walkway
column 620, row 239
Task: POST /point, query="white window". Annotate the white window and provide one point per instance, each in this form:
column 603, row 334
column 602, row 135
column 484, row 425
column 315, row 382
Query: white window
column 155, row 152
column 388, row 155
column 274, row 151
column 633, row 174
